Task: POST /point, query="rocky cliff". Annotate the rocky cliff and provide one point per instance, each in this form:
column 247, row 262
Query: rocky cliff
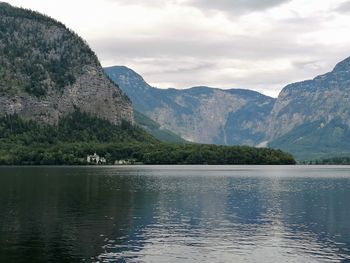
column 199, row 114
column 47, row 71
column 310, row 119
column 325, row 98
column 313, row 117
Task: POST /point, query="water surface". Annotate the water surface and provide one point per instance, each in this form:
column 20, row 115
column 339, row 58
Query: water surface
column 175, row 214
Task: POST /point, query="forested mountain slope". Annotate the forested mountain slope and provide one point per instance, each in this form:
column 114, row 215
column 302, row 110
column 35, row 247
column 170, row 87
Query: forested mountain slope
column 47, row 71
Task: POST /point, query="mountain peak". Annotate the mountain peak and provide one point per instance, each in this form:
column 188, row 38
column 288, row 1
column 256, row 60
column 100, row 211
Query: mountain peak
column 199, row 114
column 121, row 69
column 343, row 65
column 47, row 71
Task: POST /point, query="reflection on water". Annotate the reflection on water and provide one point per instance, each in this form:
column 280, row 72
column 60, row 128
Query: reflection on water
column 175, row 214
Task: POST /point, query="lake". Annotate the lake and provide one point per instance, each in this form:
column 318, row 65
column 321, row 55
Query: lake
column 175, row 214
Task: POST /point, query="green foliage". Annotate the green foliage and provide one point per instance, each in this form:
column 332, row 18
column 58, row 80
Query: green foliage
column 315, row 140
column 213, row 155
column 77, row 135
column 38, row 53
column 155, row 129
column 143, row 120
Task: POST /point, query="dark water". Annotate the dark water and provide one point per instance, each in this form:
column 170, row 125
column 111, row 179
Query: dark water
column 175, row 214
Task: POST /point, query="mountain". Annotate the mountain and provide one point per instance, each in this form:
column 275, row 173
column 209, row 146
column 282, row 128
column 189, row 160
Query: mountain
column 57, row 105
column 312, row 118
column 47, row 72
column 154, row 128
column 199, row 114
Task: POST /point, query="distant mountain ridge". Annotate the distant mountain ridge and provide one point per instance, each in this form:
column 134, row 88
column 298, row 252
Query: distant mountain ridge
column 311, row 119
column 325, row 98
column 199, row 114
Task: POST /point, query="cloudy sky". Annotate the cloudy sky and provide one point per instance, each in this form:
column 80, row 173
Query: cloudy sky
column 256, row 44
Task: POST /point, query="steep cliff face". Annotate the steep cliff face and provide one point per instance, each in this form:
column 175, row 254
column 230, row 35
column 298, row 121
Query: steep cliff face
column 324, row 99
column 47, row 71
column 207, row 115
column 312, row 118
column 199, row 114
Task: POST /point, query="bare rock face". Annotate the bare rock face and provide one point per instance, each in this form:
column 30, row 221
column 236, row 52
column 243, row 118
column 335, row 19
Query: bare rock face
column 199, row 114
column 205, row 121
column 324, row 99
column 47, row 71
column 92, row 93
column 310, row 119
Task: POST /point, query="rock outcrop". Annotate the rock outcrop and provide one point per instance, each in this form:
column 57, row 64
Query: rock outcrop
column 324, row 99
column 47, row 71
column 310, row 119
column 199, row 114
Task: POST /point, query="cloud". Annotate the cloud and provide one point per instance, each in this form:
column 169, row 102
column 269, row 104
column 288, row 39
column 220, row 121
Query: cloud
column 236, row 6
column 184, row 43
column 343, row 7
column 237, row 47
column 236, row 62
column 263, row 52
column 147, row 3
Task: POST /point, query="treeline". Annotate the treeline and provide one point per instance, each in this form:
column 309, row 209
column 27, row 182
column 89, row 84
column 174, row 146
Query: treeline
column 213, row 154
column 330, row 161
column 77, row 135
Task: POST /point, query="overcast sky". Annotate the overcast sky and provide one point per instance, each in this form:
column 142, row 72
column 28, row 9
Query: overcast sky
column 255, row 44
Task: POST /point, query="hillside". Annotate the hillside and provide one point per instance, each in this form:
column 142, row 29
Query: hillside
column 154, row 128
column 199, row 114
column 47, row 71
column 78, row 134
column 75, row 136
column 57, row 105
column 312, row 118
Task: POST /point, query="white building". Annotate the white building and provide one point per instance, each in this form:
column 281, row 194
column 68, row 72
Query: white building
column 95, row 159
